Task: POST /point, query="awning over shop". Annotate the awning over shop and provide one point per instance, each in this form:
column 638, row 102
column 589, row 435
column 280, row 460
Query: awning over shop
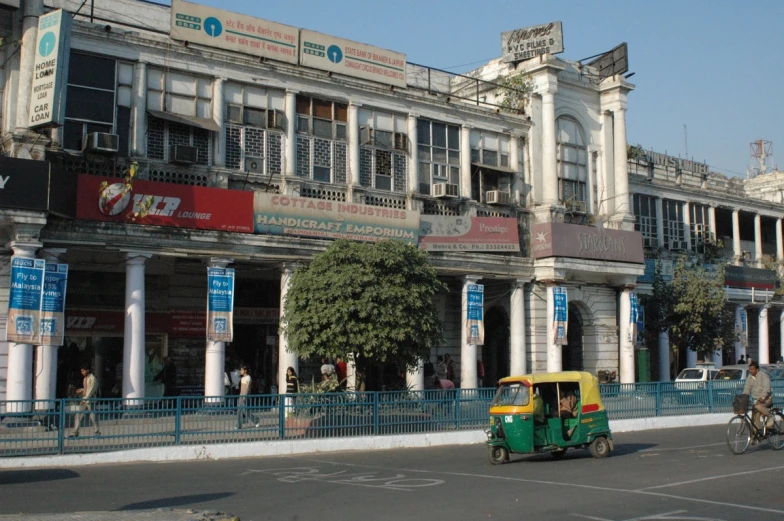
column 499, row 169
column 193, row 121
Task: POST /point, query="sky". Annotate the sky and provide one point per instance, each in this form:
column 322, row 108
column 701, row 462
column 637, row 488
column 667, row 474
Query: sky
column 709, row 74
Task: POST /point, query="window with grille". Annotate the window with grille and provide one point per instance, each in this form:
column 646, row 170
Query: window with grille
column 383, row 150
column 572, row 160
column 438, row 149
column 645, row 219
column 700, row 229
column 672, row 219
column 99, row 100
column 321, row 140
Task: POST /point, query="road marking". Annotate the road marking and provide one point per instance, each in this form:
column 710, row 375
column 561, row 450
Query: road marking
column 642, row 491
column 710, row 478
column 663, row 516
column 681, row 448
column 399, row 482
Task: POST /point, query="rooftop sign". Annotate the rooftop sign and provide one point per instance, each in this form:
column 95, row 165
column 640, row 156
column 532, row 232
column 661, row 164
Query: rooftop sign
column 233, row 32
column 530, row 42
column 333, row 54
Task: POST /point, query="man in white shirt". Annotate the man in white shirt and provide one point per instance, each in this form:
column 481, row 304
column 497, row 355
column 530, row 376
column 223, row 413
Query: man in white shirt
column 88, row 391
column 242, row 407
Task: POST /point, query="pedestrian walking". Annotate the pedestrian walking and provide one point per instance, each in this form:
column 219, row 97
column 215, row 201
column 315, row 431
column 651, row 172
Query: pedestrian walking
column 243, row 415
column 88, row 392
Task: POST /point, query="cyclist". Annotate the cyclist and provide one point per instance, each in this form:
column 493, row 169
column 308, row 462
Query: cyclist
column 758, row 387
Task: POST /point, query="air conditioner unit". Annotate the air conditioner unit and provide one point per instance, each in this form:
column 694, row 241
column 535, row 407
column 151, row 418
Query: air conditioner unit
column 275, row 119
column 254, row 117
column 234, row 114
column 497, row 197
column 183, row 154
column 578, row 207
column 101, row 142
column 445, row 190
column 401, row 141
column 254, row 165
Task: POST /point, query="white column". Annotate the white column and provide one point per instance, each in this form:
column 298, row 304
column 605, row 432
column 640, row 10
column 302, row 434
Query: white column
column 20, row 356
column 353, row 144
column 351, row 373
column 740, row 349
column 139, row 113
column 620, row 169
column 736, row 251
column 764, row 344
column 134, row 341
column 46, row 355
column 590, row 199
column 32, row 10
column 290, row 148
column 691, row 358
column 608, row 197
column 687, row 224
column 517, row 356
column 550, row 194
column 413, row 155
column 554, row 351
column 626, row 356
column 215, row 354
column 467, row 351
column 517, row 176
column 660, row 224
column 664, row 356
column 717, row 359
column 415, row 379
column 286, row 358
column 465, row 163
column 218, row 109
column 712, row 221
column 758, row 240
column 779, row 242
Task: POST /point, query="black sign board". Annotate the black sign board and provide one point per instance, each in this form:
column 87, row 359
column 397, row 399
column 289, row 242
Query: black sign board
column 612, row 62
column 26, row 184
column 742, row 277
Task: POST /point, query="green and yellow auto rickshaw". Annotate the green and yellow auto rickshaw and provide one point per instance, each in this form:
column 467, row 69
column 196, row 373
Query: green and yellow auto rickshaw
column 548, row 412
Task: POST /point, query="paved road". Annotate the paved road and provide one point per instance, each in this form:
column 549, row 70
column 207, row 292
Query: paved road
column 685, row 473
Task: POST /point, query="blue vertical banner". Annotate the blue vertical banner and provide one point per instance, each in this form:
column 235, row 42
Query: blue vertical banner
column 560, row 315
column 634, row 309
column 744, row 328
column 52, row 319
column 475, row 326
column 640, row 324
column 24, row 300
column 220, row 304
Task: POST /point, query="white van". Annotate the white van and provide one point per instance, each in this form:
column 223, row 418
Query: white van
column 692, row 382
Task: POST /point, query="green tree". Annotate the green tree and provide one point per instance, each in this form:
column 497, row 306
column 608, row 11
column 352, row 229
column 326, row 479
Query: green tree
column 700, row 319
column 513, row 92
column 372, row 300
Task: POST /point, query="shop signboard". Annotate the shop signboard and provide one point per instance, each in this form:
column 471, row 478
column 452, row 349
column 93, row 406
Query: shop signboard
column 52, row 324
column 111, row 323
column 27, row 184
column 50, row 69
column 289, row 215
column 333, row 54
column 24, row 301
column 190, row 323
column 233, row 32
column 220, row 304
column 484, row 234
column 164, row 204
column 560, row 315
column 585, row 242
column 743, row 277
column 530, row 42
column 475, row 326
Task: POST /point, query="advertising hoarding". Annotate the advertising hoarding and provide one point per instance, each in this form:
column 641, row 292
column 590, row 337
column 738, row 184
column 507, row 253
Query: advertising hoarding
column 52, row 323
column 475, row 326
column 24, row 301
column 560, row 315
column 303, row 216
column 443, row 233
column 220, row 304
column 333, row 54
column 164, row 204
column 50, row 69
column 233, row 32
column 530, row 42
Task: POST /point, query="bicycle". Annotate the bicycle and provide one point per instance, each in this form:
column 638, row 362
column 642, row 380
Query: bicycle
column 740, row 430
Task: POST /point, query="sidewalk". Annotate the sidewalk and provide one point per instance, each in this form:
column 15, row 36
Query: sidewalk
column 140, row 515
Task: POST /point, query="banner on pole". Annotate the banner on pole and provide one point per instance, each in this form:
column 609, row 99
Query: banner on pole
column 24, row 301
column 633, row 316
column 560, row 315
column 743, row 329
column 52, row 318
column 220, row 304
column 640, row 324
column 475, row 326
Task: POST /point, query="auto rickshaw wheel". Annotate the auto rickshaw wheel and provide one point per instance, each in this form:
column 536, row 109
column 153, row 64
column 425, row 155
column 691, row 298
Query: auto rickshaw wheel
column 600, row 447
column 558, row 454
column 498, row 455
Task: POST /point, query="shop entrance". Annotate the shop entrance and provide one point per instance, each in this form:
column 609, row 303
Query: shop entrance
column 495, row 351
column 573, row 350
column 256, row 345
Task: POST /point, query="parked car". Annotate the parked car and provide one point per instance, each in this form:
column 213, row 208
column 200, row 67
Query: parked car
column 724, row 391
column 692, row 383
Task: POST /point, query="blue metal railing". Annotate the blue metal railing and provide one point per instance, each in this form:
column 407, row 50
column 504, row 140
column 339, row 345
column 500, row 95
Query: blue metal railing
column 47, row 426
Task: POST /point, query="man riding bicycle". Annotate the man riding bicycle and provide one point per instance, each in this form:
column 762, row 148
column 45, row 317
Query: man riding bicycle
column 758, row 387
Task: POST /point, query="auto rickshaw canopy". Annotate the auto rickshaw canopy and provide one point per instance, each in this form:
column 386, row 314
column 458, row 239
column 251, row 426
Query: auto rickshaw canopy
column 590, row 396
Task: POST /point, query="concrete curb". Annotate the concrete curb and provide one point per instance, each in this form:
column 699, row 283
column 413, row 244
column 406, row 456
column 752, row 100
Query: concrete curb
column 286, row 447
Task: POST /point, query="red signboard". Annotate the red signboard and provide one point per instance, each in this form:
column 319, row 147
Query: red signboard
column 482, row 234
column 164, row 204
column 111, row 323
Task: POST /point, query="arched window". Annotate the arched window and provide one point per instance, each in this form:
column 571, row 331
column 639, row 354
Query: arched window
column 572, row 163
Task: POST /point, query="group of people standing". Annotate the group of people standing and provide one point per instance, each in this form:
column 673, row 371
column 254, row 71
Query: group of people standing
column 442, row 375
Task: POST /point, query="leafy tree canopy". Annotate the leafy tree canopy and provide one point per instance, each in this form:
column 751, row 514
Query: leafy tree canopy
column 374, row 300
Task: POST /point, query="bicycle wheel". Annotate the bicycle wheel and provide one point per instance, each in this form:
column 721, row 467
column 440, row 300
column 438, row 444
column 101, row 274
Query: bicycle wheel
column 738, row 435
column 776, row 436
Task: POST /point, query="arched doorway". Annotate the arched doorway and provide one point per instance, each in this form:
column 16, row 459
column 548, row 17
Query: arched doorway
column 495, row 352
column 572, row 354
